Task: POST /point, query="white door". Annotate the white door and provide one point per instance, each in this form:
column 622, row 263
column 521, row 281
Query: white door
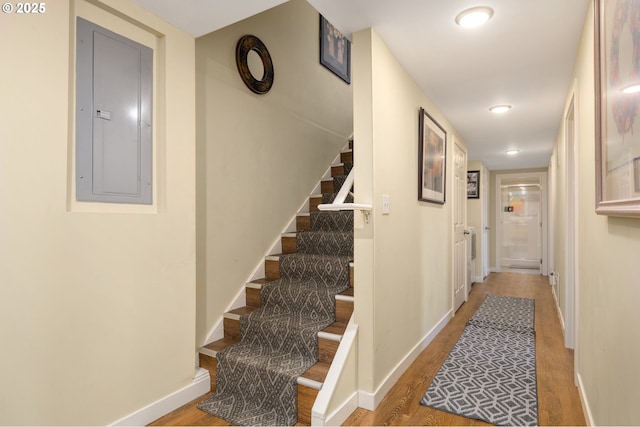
column 484, row 196
column 459, row 225
column 521, row 222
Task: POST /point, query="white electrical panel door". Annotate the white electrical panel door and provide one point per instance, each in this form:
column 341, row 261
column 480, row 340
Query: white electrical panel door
column 113, row 117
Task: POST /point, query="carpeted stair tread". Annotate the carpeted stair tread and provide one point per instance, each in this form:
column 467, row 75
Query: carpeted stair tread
column 332, row 221
column 328, row 198
column 325, row 242
column 318, row 268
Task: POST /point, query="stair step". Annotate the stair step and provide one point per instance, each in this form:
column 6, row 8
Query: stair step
column 210, row 364
column 253, row 290
column 328, row 341
column 315, row 375
column 212, row 349
column 314, row 201
column 338, row 170
column 306, row 399
column 303, row 221
column 351, row 274
column 346, row 156
column 231, row 322
column 326, row 186
column 289, row 243
column 344, row 306
column 272, row 267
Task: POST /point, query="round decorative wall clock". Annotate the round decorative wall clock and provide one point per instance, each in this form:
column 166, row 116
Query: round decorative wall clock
column 245, row 45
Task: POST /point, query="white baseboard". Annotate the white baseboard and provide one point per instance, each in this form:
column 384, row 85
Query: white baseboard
column 371, row 401
column 478, row 279
column 586, row 409
column 342, row 413
column 201, row 385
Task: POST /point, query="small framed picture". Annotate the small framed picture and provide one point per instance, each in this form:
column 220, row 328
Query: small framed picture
column 473, row 184
column 335, row 50
column 432, row 160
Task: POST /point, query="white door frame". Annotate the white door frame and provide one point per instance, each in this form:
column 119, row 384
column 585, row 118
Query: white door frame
column 544, row 270
column 485, row 232
column 571, row 220
column 459, row 200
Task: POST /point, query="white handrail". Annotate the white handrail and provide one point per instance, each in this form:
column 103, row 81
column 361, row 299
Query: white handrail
column 339, row 204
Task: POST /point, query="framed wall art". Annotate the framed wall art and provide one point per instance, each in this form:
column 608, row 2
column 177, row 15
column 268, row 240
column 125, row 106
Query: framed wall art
column 335, row 50
column 473, row 184
column 432, row 146
column 617, row 79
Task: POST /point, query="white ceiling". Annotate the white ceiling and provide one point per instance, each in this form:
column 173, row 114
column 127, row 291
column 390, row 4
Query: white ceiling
column 522, row 57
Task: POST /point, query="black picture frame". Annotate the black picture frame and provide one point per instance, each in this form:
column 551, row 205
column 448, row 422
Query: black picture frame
column 432, row 160
column 473, row 184
column 335, row 50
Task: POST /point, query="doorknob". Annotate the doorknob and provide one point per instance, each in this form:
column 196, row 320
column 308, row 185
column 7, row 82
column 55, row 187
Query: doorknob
column 487, row 228
column 466, row 232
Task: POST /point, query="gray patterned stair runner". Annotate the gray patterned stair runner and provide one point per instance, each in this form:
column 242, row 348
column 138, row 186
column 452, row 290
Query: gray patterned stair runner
column 256, row 378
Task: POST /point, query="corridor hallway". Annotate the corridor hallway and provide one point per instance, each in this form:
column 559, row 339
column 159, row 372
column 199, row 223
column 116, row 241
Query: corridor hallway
column 558, row 399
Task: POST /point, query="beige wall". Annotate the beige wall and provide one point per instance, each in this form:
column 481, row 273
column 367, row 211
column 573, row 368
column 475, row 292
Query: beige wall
column 98, row 304
column 403, row 260
column 608, row 348
column 259, row 156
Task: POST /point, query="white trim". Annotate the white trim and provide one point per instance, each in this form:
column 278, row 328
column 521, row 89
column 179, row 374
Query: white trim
column 329, row 336
column 586, row 409
column 478, row 279
column 231, row 316
column 371, row 401
column 207, row 352
column 321, row 404
column 338, row 416
column 344, row 298
column 200, row 385
column 308, row 382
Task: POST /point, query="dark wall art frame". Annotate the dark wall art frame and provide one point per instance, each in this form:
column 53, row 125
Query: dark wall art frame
column 617, row 67
column 245, row 45
column 335, row 50
column 473, row 184
column 432, row 158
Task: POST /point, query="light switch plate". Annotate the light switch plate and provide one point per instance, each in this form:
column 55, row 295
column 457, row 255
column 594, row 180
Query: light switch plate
column 385, row 204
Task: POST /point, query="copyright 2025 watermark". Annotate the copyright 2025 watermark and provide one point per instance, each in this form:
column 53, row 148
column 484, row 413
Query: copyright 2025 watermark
column 24, row 8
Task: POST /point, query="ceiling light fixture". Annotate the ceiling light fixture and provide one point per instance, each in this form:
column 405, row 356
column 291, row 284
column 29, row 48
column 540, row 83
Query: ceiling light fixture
column 512, row 152
column 474, row 17
column 499, row 109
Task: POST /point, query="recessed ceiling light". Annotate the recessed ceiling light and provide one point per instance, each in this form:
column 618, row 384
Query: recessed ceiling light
column 512, row 152
column 474, row 17
column 632, row 88
column 499, row 109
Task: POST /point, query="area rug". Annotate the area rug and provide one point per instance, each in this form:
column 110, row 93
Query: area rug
column 490, row 374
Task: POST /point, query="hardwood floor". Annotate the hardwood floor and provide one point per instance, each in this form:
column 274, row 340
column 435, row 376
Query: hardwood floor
column 558, row 399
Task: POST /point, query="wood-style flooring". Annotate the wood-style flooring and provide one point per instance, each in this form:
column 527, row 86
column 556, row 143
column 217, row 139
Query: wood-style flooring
column 558, row 399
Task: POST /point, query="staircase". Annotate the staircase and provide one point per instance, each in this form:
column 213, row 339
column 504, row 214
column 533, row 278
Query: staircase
column 315, row 260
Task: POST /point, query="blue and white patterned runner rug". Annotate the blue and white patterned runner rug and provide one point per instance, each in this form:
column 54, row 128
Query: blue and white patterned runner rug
column 490, row 373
